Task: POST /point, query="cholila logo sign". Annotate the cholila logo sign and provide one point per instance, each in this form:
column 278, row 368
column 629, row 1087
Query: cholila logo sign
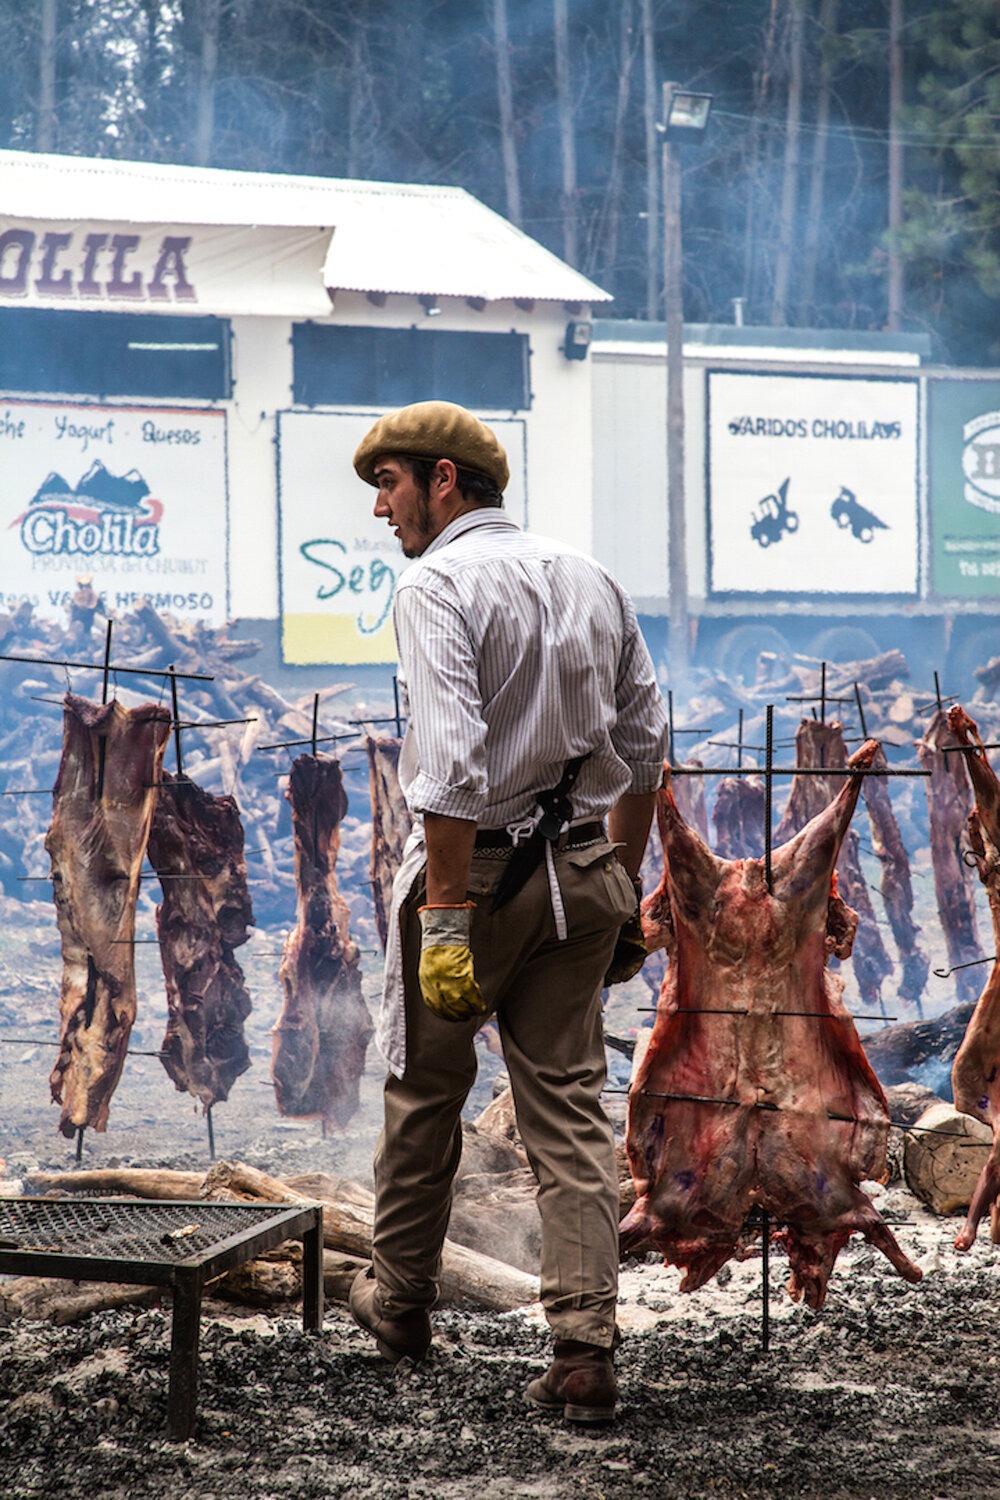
column 104, row 514
column 981, row 461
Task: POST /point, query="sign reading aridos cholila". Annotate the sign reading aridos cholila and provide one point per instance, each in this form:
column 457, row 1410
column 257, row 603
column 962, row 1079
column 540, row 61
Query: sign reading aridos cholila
column 133, row 498
column 813, row 484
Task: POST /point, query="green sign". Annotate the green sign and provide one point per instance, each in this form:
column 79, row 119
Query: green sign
column 963, row 488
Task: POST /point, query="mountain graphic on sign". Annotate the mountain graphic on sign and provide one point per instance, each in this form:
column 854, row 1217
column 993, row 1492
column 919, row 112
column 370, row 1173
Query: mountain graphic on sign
column 112, row 491
column 52, row 487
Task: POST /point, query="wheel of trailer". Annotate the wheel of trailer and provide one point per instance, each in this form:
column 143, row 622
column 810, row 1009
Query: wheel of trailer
column 843, row 643
column 739, row 650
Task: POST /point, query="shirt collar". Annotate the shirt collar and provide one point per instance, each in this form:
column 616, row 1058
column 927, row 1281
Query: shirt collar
column 487, row 515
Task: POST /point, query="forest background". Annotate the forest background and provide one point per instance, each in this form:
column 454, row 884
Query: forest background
column 850, row 175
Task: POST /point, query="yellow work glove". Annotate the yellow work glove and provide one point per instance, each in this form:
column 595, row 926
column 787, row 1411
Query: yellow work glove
column 630, row 950
column 447, row 980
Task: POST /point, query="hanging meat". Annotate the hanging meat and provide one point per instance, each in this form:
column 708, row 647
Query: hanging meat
column 948, row 806
column 818, row 746
column 738, row 816
column 689, row 792
column 754, row 1090
column 102, row 807
column 323, row 1031
column 896, row 886
column 196, row 848
column 391, row 823
column 975, row 1074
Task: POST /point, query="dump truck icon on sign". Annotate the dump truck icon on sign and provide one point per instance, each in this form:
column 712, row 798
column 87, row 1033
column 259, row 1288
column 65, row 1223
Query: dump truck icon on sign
column 772, row 518
column 847, row 511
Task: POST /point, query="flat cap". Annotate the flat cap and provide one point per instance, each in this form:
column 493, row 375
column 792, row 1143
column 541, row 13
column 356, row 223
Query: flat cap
column 434, row 429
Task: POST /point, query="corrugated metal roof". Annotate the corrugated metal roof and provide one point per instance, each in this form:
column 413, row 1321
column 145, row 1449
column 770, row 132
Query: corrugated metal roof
column 387, row 237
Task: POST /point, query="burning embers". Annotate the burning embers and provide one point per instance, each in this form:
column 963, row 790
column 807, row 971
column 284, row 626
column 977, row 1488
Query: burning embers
column 754, row 1090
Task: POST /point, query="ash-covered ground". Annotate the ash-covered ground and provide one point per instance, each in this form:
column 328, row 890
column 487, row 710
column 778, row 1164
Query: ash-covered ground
column 891, row 1391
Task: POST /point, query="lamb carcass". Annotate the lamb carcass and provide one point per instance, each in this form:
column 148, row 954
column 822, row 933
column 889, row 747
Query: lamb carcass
column 322, row 1034
column 102, row 807
column 196, row 847
column 896, row 886
column 739, row 1100
column 975, row 1074
column 948, row 808
column 820, row 746
column 391, row 823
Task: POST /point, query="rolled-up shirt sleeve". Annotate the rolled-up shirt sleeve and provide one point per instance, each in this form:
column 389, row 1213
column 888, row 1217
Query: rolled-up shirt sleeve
column 442, row 684
column 641, row 732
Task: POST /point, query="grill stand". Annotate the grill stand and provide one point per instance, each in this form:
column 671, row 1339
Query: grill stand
column 264, row 1226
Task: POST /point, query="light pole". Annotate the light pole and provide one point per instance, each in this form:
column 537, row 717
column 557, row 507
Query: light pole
column 685, row 117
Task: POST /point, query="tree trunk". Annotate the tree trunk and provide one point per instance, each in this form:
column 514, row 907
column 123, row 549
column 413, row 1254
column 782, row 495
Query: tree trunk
column 673, row 296
column 817, row 176
column 755, row 155
column 790, row 172
column 894, row 320
column 609, row 218
column 362, row 111
column 208, row 67
column 567, row 134
column 651, row 104
column 45, row 129
column 505, row 96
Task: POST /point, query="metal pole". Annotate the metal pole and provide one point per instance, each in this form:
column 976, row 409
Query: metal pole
column 177, row 726
column 677, row 582
column 765, row 1320
column 768, row 794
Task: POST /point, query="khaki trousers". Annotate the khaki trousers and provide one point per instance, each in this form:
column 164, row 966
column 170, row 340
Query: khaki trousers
column 546, row 998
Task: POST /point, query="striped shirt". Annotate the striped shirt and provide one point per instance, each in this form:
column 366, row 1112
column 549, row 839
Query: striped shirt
column 517, row 654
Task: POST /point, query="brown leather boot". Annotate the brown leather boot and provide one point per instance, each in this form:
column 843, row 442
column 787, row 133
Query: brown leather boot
column 580, row 1382
column 405, row 1335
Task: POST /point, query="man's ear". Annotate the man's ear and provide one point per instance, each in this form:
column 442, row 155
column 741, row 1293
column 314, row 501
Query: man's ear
column 445, row 475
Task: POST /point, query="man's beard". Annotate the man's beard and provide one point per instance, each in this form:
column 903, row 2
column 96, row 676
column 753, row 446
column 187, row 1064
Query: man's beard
column 422, row 525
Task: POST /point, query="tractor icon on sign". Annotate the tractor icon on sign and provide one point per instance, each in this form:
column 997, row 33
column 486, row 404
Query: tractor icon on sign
column 847, row 511
column 772, row 518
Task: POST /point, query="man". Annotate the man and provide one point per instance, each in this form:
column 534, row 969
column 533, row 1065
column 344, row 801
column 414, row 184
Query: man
column 533, row 714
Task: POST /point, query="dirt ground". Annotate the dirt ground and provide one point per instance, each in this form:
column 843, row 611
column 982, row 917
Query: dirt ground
column 891, row 1391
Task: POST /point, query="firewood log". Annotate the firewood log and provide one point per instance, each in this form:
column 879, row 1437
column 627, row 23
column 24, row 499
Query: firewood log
column 49, row 1299
column 467, row 1278
column 136, row 1182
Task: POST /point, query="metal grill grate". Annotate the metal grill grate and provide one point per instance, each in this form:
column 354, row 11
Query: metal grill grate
column 181, row 1246
column 110, row 1230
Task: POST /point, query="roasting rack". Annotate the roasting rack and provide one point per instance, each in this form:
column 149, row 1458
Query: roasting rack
column 769, row 770
column 181, row 1246
column 107, row 668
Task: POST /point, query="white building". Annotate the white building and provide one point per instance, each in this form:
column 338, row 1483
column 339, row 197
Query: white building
column 188, row 358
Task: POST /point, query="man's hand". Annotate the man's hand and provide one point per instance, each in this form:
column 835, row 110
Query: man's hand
column 447, row 979
column 630, row 950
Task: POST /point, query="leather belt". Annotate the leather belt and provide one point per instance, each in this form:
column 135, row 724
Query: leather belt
column 499, row 838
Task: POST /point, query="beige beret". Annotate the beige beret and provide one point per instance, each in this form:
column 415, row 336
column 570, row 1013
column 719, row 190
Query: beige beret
column 434, row 429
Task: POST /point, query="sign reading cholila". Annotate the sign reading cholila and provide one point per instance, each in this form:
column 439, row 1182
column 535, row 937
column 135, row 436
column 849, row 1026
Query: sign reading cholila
column 133, row 498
